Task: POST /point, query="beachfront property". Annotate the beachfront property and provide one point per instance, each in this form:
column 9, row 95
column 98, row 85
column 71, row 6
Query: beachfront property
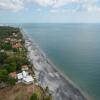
column 24, row 77
column 14, row 34
column 17, row 45
column 13, row 75
column 24, row 67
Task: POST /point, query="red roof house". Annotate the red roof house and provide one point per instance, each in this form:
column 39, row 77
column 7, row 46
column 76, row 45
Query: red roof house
column 24, row 67
column 13, row 75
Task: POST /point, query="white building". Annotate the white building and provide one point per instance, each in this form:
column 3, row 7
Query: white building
column 24, row 67
column 19, row 76
column 24, row 77
column 28, row 79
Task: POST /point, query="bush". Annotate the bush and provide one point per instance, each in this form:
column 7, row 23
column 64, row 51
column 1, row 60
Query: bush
column 6, row 46
column 3, row 75
column 3, row 56
column 47, row 98
column 11, row 67
column 34, row 97
column 11, row 81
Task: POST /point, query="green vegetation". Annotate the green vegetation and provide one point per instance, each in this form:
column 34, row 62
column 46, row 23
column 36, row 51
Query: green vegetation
column 12, row 57
column 11, row 81
column 34, row 97
column 41, row 94
column 3, row 56
column 12, row 53
column 3, row 75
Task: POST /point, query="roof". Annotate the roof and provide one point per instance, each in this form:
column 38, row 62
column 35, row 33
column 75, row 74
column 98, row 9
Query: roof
column 13, row 74
column 17, row 45
column 13, row 33
column 28, row 79
column 8, row 39
column 24, row 73
column 25, row 77
column 24, row 66
column 19, row 75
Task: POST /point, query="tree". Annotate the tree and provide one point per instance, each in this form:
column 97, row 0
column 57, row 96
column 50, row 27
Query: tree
column 3, row 75
column 47, row 98
column 11, row 81
column 11, row 67
column 34, row 97
column 3, row 56
column 6, row 46
column 46, row 89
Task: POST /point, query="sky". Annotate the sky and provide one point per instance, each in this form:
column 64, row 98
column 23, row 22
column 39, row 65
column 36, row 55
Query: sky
column 49, row 11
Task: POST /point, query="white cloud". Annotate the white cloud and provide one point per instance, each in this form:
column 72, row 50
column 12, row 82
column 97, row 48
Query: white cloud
column 91, row 5
column 92, row 8
column 17, row 5
column 63, row 10
column 14, row 5
column 55, row 3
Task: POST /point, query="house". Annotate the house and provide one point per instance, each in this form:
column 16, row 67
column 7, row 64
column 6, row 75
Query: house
column 24, row 67
column 25, row 74
column 17, row 45
column 13, row 75
column 19, row 40
column 2, row 50
column 13, row 40
column 28, row 79
column 8, row 39
column 25, row 77
column 14, row 34
column 19, row 76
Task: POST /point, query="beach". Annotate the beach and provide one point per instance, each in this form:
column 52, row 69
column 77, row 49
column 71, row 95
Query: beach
column 47, row 74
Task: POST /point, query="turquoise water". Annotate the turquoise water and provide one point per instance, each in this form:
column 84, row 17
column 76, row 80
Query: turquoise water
column 73, row 48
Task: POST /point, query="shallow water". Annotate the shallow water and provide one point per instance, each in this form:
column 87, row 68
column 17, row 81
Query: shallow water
column 75, row 49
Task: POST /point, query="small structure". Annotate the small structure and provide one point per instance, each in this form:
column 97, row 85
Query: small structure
column 13, row 40
column 25, row 74
column 14, row 34
column 8, row 39
column 28, row 79
column 17, row 45
column 13, row 75
column 24, row 67
column 19, row 40
column 24, row 77
column 19, row 76
column 2, row 50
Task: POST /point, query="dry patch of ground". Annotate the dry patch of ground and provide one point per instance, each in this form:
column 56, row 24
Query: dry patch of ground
column 17, row 92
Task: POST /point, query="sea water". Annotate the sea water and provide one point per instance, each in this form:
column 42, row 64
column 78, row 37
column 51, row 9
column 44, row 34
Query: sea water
column 74, row 49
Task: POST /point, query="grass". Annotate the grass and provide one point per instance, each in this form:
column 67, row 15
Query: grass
column 39, row 91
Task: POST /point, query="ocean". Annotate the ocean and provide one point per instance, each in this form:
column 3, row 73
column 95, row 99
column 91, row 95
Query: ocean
column 74, row 49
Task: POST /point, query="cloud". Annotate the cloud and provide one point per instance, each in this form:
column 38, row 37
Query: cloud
column 67, row 5
column 93, row 8
column 14, row 5
column 91, row 5
column 63, row 10
column 55, row 3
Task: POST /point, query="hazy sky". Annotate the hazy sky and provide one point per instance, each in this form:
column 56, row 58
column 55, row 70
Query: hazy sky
column 49, row 11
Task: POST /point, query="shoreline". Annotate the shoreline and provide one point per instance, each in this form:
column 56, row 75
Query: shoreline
column 52, row 71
